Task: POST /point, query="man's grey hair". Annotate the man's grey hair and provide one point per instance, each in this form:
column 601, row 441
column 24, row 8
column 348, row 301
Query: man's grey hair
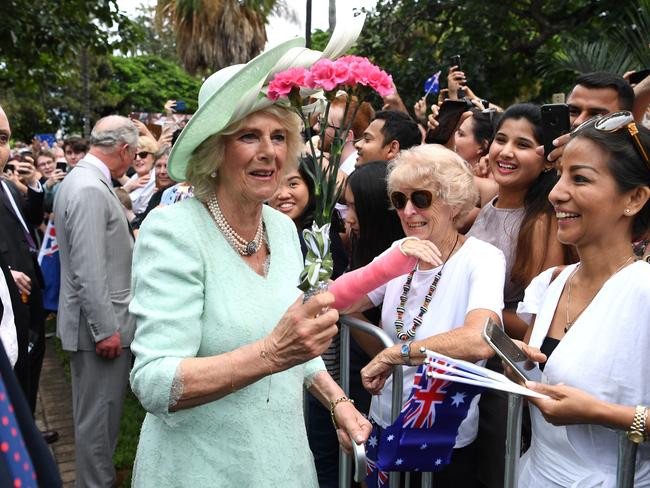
column 113, row 131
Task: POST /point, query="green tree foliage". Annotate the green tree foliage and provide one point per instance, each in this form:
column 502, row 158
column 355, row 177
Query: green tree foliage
column 40, row 38
column 144, row 83
column 502, row 43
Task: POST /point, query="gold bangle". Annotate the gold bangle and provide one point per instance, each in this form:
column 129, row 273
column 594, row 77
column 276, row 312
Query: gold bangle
column 333, row 405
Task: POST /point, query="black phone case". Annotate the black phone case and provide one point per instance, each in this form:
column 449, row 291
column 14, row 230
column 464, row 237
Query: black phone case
column 555, row 122
column 448, row 118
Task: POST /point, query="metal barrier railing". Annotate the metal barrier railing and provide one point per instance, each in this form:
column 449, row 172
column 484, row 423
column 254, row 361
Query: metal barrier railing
column 626, row 465
column 344, row 459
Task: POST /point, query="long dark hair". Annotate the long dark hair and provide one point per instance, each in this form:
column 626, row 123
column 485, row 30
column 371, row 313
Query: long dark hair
column 379, row 226
column 536, row 204
column 483, row 125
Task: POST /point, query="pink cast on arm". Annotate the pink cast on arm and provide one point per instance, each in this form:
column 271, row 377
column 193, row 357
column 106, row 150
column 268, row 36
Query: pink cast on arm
column 351, row 287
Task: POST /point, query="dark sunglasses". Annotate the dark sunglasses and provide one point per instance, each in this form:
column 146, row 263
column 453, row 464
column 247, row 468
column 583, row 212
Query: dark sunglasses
column 614, row 122
column 419, row 198
column 143, row 154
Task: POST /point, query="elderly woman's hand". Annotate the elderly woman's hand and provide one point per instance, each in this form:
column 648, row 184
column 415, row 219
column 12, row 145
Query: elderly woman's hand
column 352, row 425
column 373, row 376
column 423, row 250
column 304, row 332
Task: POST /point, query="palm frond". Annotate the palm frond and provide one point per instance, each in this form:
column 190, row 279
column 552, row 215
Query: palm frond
column 585, row 57
column 212, row 34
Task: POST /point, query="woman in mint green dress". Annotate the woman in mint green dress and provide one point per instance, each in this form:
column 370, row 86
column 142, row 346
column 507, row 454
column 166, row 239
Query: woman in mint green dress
column 224, row 345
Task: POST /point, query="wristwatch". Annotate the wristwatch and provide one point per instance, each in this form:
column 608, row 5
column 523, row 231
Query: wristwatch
column 637, row 430
column 406, row 352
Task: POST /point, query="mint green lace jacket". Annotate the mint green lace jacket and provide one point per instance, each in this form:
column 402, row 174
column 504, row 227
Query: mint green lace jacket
column 194, row 296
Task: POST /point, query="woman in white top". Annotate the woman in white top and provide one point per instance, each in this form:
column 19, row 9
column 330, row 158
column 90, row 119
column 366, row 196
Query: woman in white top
column 592, row 319
column 432, row 189
column 142, row 184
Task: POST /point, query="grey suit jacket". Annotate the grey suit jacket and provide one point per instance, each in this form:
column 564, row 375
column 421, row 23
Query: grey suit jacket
column 96, row 248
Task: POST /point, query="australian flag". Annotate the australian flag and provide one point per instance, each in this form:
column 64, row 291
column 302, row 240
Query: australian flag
column 423, row 436
column 48, row 259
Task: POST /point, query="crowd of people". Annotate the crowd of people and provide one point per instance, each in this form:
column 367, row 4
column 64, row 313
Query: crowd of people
column 180, row 255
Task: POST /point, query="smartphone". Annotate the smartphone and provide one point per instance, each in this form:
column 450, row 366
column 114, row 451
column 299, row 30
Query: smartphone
column 62, row 165
column 638, row 76
column 448, row 117
column 510, row 353
column 555, row 122
column 180, row 106
column 455, row 61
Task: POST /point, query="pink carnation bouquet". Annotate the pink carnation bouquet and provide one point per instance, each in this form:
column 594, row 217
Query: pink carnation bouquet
column 357, row 77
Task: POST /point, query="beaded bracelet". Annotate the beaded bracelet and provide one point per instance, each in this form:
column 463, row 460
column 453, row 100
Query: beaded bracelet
column 333, row 405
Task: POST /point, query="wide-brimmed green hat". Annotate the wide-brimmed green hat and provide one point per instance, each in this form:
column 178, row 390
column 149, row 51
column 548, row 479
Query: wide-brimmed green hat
column 232, row 93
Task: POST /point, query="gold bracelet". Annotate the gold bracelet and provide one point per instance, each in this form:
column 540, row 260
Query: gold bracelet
column 637, row 430
column 333, row 405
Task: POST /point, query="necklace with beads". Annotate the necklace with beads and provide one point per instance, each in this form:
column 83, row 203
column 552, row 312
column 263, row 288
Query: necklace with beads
column 401, row 308
column 569, row 323
column 237, row 242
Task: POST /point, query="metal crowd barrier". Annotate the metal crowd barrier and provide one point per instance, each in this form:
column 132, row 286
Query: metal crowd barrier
column 348, row 322
column 627, row 449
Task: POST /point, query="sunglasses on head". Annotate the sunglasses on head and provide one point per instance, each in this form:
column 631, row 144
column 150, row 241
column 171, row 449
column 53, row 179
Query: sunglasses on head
column 419, row 198
column 614, row 122
column 143, row 154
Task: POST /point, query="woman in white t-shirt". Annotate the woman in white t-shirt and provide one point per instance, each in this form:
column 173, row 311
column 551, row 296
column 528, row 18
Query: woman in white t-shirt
column 592, row 319
column 432, row 190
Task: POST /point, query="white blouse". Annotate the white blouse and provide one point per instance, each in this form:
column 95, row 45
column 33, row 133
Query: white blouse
column 606, row 354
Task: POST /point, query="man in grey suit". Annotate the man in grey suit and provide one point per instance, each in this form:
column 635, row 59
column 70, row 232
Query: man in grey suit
column 95, row 245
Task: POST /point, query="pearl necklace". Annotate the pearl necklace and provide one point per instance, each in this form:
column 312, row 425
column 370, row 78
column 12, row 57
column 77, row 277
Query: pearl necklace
column 238, row 243
column 401, row 308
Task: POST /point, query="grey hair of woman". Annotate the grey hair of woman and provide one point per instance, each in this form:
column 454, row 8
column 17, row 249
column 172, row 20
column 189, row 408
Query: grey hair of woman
column 113, row 131
column 432, row 165
column 164, row 151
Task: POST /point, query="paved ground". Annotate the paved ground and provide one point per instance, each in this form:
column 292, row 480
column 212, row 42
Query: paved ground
column 54, row 412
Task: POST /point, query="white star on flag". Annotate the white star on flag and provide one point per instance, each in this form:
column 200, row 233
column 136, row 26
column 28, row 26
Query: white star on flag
column 424, row 446
column 372, row 442
column 458, row 398
column 438, row 462
column 390, row 437
column 399, row 462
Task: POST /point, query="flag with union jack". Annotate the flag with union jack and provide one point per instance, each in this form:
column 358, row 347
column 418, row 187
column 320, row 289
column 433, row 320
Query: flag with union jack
column 48, row 259
column 375, row 477
column 423, row 436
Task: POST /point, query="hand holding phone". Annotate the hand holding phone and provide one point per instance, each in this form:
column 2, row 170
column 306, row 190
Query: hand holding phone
column 456, row 76
column 448, row 118
column 510, row 353
column 62, row 166
column 555, row 122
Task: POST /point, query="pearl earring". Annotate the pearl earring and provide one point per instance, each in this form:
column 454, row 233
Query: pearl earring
column 627, row 210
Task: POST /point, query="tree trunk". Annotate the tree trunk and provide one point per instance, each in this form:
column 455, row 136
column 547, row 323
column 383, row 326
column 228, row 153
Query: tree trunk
column 332, row 15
